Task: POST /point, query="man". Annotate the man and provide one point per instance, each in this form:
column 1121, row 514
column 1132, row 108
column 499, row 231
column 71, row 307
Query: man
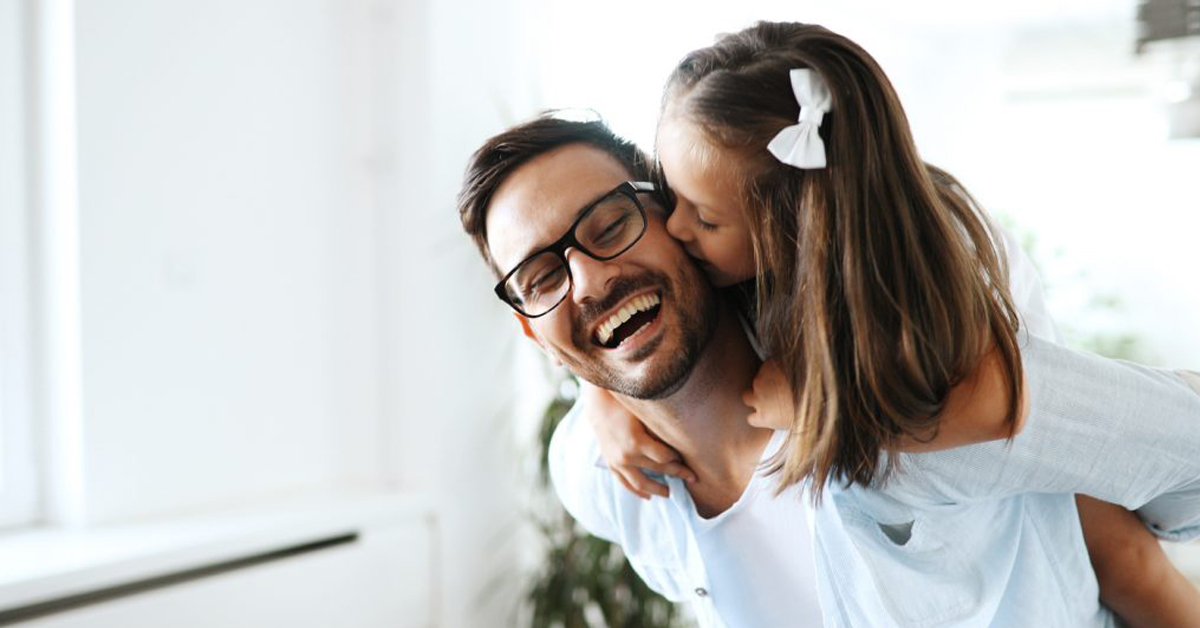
column 595, row 280
column 740, row 555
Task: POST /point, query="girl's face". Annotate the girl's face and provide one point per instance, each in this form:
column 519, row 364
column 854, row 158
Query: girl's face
column 708, row 217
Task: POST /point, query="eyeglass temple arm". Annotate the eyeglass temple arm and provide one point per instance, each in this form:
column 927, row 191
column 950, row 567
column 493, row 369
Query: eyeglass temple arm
column 643, row 186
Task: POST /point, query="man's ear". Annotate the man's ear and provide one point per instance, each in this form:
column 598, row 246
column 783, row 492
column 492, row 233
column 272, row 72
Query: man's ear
column 525, row 328
column 528, row 331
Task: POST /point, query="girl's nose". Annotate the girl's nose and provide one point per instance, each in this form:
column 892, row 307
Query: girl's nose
column 678, row 227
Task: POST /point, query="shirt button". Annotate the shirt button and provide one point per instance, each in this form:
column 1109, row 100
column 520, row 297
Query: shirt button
column 701, row 592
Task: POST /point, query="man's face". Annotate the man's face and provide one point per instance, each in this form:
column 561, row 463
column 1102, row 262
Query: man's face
column 651, row 354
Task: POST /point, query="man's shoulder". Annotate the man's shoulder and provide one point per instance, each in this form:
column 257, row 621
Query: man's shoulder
column 580, row 477
column 574, row 452
column 585, row 485
column 593, row 496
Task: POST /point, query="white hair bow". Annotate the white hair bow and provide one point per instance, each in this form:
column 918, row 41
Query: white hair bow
column 800, row 144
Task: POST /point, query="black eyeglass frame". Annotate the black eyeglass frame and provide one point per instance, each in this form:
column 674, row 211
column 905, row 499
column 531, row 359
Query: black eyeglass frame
column 559, row 247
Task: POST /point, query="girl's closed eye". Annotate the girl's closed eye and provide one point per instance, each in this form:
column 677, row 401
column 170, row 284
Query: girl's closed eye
column 709, row 218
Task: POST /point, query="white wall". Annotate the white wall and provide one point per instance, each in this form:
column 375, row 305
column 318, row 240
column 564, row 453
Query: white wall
column 1061, row 127
column 276, row 292
column 461, row 74
column 18, row 496
column 227, row 253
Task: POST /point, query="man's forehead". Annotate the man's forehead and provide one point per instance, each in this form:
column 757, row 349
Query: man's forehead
column 540, row 200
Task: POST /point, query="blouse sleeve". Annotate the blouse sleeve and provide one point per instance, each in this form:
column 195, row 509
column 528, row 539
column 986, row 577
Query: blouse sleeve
column 1114, row 430
column 1117, row 431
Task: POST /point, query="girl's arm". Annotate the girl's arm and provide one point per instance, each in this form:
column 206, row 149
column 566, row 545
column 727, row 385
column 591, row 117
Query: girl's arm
column 1137, row 581
column 974, row 412
column 627, row 446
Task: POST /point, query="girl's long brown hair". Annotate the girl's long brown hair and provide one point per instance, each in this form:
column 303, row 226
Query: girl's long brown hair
column 880, row 283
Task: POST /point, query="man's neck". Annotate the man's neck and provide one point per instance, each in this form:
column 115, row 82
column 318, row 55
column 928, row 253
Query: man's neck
column 705, row 420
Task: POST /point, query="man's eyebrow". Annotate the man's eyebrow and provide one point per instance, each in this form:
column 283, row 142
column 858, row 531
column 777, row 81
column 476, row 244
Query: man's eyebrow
column 533, row 250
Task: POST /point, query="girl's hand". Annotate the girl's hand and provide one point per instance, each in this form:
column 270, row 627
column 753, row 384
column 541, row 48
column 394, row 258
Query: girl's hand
column 628, row 447
column 770, row 396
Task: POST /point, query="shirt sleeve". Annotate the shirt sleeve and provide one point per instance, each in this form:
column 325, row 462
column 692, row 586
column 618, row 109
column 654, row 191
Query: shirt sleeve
column 583, row 485
column 1174, row 513
column 590, row 494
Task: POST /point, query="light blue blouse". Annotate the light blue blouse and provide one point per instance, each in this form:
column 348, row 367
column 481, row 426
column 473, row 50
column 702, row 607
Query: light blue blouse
column 988, row 535
column 984, row 536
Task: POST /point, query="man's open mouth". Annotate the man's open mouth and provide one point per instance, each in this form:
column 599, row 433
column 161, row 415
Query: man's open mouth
column 628, row 321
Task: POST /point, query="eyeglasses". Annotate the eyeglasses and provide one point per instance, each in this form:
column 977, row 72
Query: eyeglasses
column 604, row 230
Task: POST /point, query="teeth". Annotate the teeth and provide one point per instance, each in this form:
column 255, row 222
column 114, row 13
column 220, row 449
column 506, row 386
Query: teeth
column 639, row 304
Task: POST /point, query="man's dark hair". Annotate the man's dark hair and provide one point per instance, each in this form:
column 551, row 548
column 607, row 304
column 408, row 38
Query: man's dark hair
column 501, row 155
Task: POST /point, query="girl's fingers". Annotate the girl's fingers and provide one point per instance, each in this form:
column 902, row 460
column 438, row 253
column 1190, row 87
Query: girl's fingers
column 655, row 451
column 629, row 487
column 678, row 470
column 674, row 467
column 647, row 486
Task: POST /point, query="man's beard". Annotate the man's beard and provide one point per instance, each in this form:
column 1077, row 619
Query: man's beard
column 690, row 295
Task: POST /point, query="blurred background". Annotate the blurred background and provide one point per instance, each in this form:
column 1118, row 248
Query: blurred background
column 253, row 374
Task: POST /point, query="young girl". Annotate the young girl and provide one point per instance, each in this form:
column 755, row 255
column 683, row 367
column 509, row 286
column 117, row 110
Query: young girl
column 882, row 296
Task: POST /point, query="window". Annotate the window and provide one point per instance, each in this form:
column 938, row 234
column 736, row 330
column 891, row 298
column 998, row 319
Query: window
column 18, row 479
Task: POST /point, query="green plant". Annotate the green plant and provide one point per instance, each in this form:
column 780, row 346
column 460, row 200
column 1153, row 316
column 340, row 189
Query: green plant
column 584, row 581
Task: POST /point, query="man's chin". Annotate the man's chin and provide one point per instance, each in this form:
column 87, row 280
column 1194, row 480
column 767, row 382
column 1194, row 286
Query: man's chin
column 659, row 363
column 645, row 391
column 664, row 389
column 646, row 378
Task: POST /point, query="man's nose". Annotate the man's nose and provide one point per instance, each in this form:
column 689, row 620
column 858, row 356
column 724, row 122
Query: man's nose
column 590, row 276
